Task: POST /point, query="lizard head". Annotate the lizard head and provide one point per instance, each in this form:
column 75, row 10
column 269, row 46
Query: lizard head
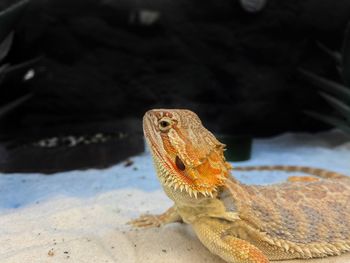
column 187, row 156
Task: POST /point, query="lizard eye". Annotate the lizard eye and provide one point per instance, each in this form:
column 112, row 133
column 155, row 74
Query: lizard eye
column 164, row 124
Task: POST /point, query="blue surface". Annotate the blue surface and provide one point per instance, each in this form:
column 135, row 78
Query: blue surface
column 327, row 150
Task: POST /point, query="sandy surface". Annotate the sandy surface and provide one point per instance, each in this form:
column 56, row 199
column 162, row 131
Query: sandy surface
column 80, row 216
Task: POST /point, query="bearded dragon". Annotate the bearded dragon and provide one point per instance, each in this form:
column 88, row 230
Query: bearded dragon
column 243, row 223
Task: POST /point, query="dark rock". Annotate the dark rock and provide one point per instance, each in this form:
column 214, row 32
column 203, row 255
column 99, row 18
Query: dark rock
column 72, row 147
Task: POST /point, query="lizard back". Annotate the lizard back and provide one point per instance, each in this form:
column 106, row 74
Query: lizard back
column 309, row 214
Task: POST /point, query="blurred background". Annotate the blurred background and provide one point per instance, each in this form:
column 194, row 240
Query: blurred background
column 77, row 75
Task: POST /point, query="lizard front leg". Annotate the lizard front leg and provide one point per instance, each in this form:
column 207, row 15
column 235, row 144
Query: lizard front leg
column 214, row 234
column 170, row 216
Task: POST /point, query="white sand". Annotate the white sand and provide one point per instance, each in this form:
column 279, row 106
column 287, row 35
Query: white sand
column 80, row 216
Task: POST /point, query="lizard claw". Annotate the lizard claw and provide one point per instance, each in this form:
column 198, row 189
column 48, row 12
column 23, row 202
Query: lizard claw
column 146, row 221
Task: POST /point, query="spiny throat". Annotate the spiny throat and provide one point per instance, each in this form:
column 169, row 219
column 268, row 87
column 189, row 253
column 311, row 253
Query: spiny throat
column 187, row 156
column 201, row 180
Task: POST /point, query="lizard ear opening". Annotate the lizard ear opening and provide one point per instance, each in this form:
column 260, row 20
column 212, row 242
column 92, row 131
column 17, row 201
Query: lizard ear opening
column 179, row 164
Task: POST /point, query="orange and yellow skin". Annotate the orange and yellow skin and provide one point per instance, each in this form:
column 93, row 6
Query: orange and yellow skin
column 205, row 168
column 240, row 223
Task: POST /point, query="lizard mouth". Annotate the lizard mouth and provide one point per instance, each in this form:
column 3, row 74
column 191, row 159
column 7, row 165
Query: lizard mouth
column 202, row 178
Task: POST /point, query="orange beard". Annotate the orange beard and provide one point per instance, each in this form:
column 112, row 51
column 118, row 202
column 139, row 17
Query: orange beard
column 204, row 178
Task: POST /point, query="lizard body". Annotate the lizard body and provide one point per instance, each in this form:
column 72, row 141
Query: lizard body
column 243, row 223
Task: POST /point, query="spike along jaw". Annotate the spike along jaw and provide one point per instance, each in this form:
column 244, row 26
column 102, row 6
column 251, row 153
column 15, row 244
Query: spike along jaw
column 187, row 156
